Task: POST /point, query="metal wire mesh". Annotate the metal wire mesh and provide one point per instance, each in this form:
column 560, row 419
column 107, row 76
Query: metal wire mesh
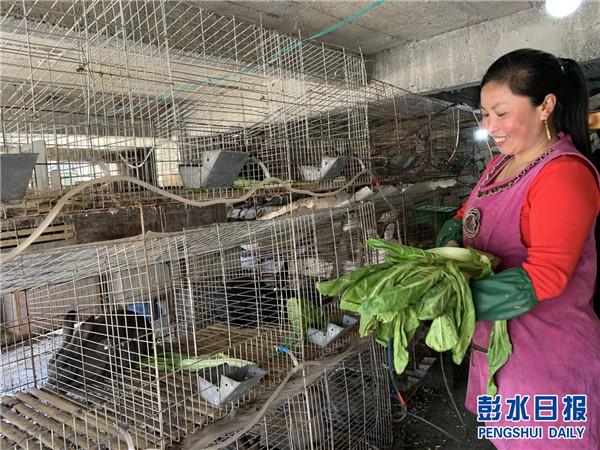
column 415, row 138
column 412, row 214
column 113, row 345
column 148, row 89
column 142, row 88
column 348, row 406
column 127, row 329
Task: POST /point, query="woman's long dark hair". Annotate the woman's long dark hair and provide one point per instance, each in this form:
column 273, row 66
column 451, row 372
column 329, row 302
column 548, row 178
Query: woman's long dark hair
column 535, row 74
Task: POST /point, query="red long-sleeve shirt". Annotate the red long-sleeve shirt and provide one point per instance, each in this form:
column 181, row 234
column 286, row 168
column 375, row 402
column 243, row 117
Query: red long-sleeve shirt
column 559, row 209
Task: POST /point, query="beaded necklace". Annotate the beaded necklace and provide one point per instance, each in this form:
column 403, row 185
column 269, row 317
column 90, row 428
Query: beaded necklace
column 486, row 192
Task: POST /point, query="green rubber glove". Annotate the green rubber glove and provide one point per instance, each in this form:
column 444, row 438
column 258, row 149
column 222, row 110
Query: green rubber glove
column 504, row 295
column 450, row 231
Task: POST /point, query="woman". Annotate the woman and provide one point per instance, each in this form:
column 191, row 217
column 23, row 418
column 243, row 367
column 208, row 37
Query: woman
column 535, row 207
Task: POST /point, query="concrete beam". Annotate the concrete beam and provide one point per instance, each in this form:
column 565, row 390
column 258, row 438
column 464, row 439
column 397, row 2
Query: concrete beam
column 459, row 58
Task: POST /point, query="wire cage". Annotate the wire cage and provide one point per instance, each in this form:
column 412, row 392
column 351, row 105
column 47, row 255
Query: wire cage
column 412, row 214
column 149, row 338
column 346, row 406
column 176, row 96
column 140, row 341
column 415, row 138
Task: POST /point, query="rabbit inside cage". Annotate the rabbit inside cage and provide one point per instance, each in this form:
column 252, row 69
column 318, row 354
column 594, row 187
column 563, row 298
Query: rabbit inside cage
column 99, row 346
column 114, row 337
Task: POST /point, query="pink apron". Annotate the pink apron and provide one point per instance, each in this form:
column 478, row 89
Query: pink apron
column 556, row 345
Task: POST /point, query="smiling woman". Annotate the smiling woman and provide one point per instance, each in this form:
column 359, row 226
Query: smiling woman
column 536, row 205
column 518, row 128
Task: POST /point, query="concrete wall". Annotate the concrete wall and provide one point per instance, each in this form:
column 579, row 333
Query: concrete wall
column 460, row 58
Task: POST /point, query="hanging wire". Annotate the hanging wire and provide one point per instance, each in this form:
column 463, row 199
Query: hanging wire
column 406, row 410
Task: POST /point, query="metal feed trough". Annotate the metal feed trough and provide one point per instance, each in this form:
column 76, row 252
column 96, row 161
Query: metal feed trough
column 226, row 383
column 218, row 170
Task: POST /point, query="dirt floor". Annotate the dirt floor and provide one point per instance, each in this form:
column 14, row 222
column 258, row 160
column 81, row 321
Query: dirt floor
column 431, row 402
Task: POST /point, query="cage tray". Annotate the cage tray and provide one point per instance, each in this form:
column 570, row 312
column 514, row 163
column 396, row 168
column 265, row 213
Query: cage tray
column 334, row 330
column 219, row 169
column 225, row 383
column 15, row 173
column 331, row 167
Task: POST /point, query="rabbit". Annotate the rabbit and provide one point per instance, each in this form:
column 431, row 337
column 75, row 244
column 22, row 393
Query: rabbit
column 99, row 343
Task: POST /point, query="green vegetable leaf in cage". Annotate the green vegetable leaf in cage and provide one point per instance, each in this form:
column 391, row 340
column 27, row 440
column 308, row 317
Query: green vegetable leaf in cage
column 302, row 315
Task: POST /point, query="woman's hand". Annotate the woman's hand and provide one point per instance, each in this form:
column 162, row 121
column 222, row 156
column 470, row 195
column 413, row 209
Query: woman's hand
column 452, row 243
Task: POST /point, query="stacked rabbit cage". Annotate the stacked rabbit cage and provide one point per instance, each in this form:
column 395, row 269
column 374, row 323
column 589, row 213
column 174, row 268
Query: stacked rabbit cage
column 138, row 342
column 150, row 338
column 176, row 96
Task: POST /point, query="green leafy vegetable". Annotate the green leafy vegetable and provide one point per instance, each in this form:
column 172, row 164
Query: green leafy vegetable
column 415, row 285
column 337, row 285
column 442, row 334
column 499, row 349
column 302, row 315
column 435, row 301
column 172, row 362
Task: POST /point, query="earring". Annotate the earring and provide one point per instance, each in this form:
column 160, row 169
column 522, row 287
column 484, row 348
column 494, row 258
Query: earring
column 548, row 135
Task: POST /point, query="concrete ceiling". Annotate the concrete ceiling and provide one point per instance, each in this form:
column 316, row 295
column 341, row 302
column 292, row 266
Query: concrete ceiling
column 387, row 25
column 400, row 23
column 455, row 40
